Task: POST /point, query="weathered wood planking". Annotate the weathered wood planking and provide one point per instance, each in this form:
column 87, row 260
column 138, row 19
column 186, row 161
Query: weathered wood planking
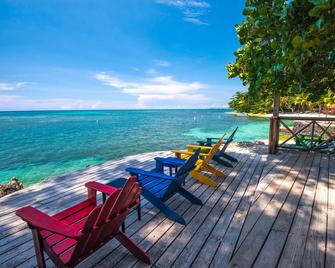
column 212, row 240
column 278, row 176
column 249, row 248
column 330, row 252
column 295, row 244
column 275, row 241
column 270, row 210
column 315, row 249
column 228, row 241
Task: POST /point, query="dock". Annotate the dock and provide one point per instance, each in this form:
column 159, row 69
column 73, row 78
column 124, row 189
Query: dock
column 269, row 211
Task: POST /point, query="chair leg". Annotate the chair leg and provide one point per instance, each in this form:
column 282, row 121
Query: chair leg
column 214, row 171
column 38, row 249
column 132, row 247
column 222, row 162
column 190, row 197
column 202, row 178
column 229, row 157
column 170, row 213
column 139, row 213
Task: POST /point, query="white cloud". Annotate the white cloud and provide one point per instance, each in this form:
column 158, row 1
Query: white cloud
column 184, row 3
column 162, row 63
column 12, row 86
column 151, row 71
column 112, row 81
column 14, row 102
column 195, row 21
column 191, row 9
column 157, row 88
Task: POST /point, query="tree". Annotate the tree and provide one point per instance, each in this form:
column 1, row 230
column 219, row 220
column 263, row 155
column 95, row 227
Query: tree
column 288, row 47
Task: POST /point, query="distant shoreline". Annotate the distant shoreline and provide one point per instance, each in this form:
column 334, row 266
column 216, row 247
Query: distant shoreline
column 251, row 115
column 101, row 110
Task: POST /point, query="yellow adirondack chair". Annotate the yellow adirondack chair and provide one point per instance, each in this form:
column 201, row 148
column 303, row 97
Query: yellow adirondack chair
column 203, row 163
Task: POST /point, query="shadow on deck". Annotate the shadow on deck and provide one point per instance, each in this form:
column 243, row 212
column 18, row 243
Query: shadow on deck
column 270, row 210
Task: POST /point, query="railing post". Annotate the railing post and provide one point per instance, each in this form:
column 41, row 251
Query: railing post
column 274, row 125
column 274, row 134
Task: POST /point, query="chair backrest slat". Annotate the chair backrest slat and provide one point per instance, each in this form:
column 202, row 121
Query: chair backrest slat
column 187, row 167
column 106, row 208
column 129, row 193
column 229, row 140
column 91, row 219
column 85, row 245
column 213, row 150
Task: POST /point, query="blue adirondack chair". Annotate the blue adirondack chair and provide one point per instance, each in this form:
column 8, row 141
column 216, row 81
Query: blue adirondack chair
column 221, row 155
column 157, row 187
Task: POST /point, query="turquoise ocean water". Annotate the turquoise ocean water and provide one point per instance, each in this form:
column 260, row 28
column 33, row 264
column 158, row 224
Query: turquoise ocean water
column 39, row 145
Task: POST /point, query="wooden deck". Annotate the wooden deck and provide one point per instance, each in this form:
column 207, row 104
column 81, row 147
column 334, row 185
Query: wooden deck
column 276, row 210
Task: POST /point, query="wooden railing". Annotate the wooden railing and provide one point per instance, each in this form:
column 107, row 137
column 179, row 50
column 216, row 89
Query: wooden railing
column 312, row 136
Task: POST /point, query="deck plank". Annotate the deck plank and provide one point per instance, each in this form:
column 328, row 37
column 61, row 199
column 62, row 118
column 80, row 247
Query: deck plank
column 270, row 253
column 251, row 245
column 213, row 235
column 228, row 242
column 278, row 176
column 314, row 255
column 294, row 247
column 330, row 251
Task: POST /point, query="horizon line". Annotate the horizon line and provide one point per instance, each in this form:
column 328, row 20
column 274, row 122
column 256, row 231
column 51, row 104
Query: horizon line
column 137, row 109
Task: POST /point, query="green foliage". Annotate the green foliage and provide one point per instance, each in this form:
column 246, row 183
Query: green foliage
column 297, row 102
column 288, row 47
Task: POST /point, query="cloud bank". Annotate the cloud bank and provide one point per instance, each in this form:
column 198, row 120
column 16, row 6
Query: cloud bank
column 157, row 88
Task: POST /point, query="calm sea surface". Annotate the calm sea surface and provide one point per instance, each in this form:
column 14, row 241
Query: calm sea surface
column 39, row 145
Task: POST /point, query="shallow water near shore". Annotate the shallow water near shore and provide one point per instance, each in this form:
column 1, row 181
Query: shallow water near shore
column 43, row 144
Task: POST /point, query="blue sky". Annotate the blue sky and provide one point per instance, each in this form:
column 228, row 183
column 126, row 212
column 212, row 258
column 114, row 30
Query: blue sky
column 117, row 54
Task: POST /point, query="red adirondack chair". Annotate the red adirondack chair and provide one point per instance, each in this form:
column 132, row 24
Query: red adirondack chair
column 73, row 234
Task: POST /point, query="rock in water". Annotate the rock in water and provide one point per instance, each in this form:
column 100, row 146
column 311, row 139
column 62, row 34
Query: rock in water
column 13, row 186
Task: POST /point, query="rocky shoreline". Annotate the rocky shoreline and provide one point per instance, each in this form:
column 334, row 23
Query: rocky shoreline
column 13, row 186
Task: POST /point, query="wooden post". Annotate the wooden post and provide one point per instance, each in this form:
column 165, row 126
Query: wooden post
column 274, row 125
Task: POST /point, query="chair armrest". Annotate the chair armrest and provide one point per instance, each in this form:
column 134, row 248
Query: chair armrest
column 171, row 161
column 100, row 187
column 38, row 219
column 137, row 171
column 201, row 143
column 182, row 152
column 192, row 146
column 211, row 138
